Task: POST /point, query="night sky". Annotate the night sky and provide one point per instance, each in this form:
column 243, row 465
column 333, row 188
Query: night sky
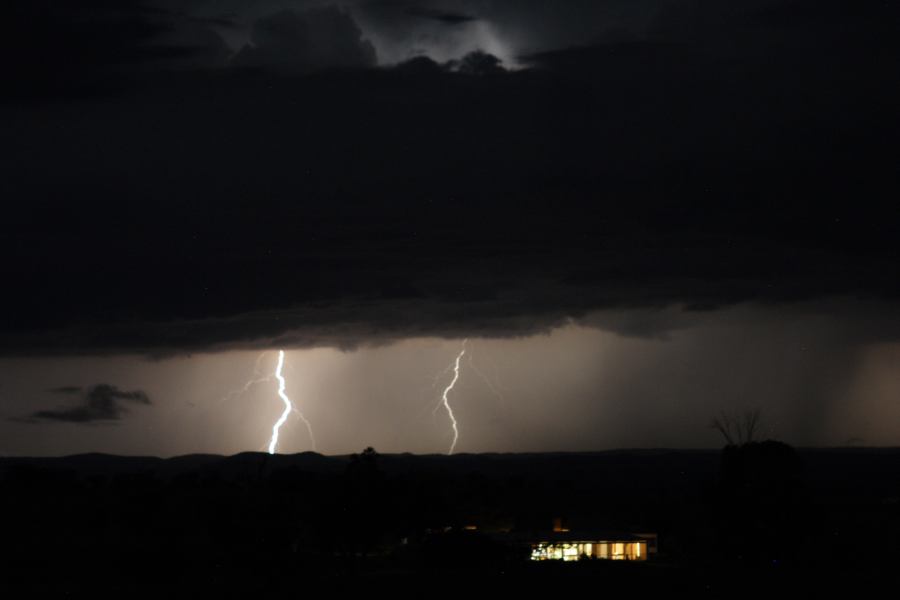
column 638, row 213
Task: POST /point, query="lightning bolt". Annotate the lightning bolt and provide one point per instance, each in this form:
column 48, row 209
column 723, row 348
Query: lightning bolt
column 446, row 402
column 288, row 408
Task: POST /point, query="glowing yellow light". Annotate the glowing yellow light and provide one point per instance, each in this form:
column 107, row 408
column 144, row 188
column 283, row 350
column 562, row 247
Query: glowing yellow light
column 572, row 551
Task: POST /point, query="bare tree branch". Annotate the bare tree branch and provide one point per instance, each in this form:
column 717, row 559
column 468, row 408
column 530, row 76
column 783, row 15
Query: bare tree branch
column 737, row 429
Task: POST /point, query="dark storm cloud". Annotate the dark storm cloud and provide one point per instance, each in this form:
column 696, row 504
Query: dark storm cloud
column 67, row 389
column 223, row 21
column 102, row 402
column 296, row 42
column 55, row 49
column 434, row 14
column 706, row 166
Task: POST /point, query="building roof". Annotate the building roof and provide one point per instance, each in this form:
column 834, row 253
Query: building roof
column 558, row 537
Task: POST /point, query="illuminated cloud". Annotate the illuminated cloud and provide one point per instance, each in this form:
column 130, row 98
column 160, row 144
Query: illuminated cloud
column 297, row 42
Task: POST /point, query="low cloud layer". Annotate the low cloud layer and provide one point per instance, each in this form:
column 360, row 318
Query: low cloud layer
column 99, row 403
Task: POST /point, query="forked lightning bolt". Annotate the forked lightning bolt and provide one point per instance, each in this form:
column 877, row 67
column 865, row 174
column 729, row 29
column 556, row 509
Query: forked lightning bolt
column 288, row 408
column 246, row 387
column 444, row 401
column 447, row 390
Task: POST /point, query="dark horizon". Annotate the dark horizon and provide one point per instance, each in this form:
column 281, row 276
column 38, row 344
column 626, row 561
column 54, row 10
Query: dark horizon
column 714, row 451
column 260, row 522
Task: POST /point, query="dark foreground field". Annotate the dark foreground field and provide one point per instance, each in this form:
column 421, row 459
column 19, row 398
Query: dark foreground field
column 758, row 518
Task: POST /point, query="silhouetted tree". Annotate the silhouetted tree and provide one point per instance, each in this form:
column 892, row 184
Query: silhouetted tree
column 760, row 502
column 480, row 63
column 737, row 429
column 363, row 517
column 365, row 464
column 419, row 65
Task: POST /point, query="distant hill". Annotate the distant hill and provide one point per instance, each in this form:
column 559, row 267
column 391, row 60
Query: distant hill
column 858, row 469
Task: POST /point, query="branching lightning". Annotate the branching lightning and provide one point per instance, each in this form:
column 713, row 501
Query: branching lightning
column 494, row 388
column 288, row 408
column 446, row 402
column 493, row 385
column 246, row 387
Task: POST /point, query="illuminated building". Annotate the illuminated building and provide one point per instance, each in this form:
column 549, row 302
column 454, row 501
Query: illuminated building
column 579, row 545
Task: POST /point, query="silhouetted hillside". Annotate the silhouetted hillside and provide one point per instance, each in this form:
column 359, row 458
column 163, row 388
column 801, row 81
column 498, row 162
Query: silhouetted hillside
column 235, row 519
